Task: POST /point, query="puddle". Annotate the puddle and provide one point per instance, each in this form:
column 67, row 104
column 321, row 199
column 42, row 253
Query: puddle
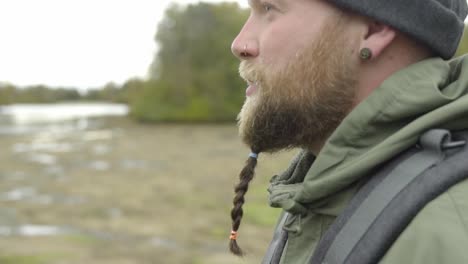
column 42, row 158
column 55, row 170
column 45, row 142
column 114, row 212
column 8, row 216
column 98, row 135
column 15, row 176
column 19, row 194
column 34, row 230
column 164, row 243
column 129, row 164
column 100, row 165
column 31, row 230
column 30, row 194
column 101, row 149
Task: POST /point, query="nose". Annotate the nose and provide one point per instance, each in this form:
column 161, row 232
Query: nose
column 245, row 45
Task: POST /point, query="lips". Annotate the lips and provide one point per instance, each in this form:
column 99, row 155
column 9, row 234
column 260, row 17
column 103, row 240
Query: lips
column 251, row 88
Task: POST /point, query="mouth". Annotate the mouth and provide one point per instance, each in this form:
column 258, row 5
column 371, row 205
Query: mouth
column 249, row 81
column 251, row 88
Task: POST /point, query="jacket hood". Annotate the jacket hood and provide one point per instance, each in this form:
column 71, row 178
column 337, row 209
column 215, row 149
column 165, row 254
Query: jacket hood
column 429, row 94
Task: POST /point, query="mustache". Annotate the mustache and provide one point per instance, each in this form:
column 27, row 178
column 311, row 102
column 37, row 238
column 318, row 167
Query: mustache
column 251, row 72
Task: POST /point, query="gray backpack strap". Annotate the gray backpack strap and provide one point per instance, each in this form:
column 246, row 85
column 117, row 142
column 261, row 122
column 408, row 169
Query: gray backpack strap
column 280, row 237
column 384, row 206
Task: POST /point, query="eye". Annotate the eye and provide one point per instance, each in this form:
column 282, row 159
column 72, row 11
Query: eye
column 267, row 6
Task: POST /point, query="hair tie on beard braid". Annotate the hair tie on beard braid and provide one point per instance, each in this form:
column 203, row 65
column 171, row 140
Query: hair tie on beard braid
column 233, row 235
column 253, row 155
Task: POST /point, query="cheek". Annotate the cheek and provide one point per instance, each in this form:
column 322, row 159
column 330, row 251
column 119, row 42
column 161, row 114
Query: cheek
column 283, row 41
column 278, row 40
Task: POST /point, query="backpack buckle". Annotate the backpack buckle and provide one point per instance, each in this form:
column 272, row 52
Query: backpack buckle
column 439, row 140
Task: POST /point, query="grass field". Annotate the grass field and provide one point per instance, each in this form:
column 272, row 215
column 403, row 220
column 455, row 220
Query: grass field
column 124, row 193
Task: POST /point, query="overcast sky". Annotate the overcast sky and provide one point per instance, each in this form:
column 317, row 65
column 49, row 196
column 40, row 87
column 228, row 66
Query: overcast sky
column 79, row 43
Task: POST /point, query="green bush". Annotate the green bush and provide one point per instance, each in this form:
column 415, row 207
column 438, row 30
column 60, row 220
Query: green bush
column 194, row 76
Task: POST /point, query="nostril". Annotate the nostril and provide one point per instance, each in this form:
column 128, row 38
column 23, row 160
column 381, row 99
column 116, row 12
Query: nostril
column 244, row 51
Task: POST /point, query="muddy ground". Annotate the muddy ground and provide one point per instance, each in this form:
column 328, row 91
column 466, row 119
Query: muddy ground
column 119, row 192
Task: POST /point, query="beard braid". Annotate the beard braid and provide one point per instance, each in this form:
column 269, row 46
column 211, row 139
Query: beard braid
column 303, row 103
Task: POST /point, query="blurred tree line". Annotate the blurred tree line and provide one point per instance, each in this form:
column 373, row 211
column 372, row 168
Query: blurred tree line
column 194, row 76
column 111, row 92
column 10, row 94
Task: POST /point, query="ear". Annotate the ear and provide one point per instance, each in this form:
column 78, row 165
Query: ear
column 377, row 38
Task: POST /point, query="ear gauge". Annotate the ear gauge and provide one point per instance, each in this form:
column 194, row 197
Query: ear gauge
column 365, row 54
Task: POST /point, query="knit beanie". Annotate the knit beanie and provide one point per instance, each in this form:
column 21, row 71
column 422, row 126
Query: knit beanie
column 436, row 23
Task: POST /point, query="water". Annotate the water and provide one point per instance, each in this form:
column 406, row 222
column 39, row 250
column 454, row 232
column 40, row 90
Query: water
column 58, row 118
column 52, row 113
column 32, row 230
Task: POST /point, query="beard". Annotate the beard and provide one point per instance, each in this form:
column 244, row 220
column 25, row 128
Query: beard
column 302, row 103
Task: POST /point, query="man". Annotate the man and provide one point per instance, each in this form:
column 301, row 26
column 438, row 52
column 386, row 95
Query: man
column 352, row 83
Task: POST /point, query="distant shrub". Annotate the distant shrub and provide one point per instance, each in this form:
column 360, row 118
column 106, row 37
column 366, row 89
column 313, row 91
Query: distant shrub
column 194, row 76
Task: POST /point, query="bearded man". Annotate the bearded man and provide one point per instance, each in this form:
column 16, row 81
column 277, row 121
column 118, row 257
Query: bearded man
column 353, row 84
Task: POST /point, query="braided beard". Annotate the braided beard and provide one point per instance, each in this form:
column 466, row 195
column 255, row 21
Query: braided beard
column 302, row 103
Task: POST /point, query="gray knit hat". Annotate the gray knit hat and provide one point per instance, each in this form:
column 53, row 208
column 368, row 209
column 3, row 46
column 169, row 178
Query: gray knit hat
column 436, row 23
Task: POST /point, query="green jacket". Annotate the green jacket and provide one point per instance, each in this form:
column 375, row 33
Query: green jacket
column 429, row 94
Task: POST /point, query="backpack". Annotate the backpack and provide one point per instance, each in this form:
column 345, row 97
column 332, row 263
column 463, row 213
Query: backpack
column 386, row 203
